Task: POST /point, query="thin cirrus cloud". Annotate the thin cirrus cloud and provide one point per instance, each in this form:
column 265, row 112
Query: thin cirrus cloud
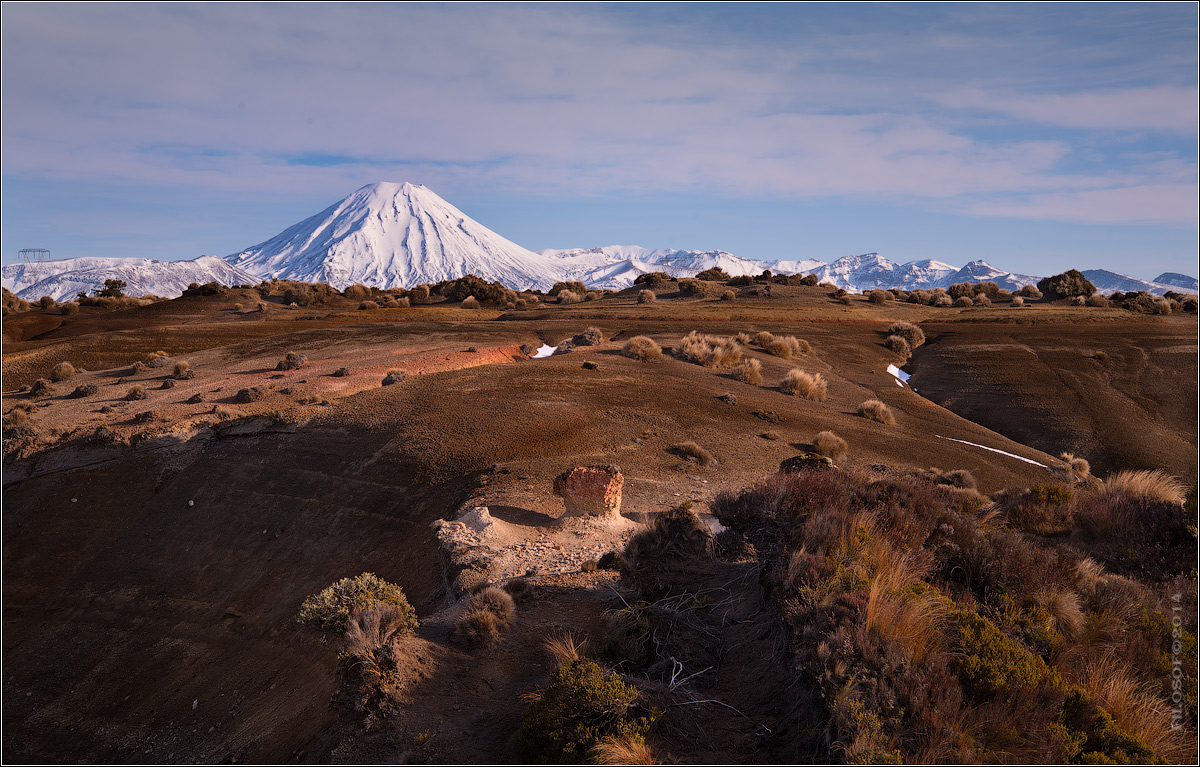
column 938, row 113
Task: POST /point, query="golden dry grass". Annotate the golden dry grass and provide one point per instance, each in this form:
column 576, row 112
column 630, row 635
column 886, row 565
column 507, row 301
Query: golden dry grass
column 801, row 384
column 628, row 750
column 749, row 372
column 564, row 647
column 642, row 348
column 829, row 444
column 1136, row 708
column 877, row 411
column 1146, row 485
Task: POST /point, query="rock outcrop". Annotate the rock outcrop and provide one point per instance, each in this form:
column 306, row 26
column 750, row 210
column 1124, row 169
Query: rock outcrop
column 591, row 491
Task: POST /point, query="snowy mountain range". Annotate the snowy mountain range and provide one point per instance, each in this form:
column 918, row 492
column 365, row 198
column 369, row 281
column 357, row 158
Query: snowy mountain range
column 63, row 280
column 401, row 235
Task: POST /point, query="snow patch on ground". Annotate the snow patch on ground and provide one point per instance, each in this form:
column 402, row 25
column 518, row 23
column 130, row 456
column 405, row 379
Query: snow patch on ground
column 994, row 450
column 545, row 350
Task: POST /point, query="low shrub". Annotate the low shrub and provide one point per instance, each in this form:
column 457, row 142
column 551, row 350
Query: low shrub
column 1018, row 302
column 801, row 384
column 879, row 296
column 981, row 299
column 642, row 348
column 136, row 393
column 183, row 371
column 1078, row 469
column 583, row 705
column 692, row 452
column 877, row 411
column 69, row 308
column 763, row 338
column 831, row 445
column 470, row 302
column 1029, row 291
column 749, row 372
column 46, row 302
column 778, row 347
column 569, row 297
column 899, row 345
column 908, row 331
column 713, row 274
column 646, row 297
column 963, row 302
column 62, row 371
column 372, row 305
column 485, row 618
column 728, row 295
column 330, row 610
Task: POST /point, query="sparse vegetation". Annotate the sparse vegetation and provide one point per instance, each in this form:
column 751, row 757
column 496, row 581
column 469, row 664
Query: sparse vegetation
column 136, row 393
column 829, row 444
column 908, row 331
column 877, row 411
column 646, row 297
column 749, row 372
column 183, row 371
column 692, row 452
column 62, row 371
column 485, row 618
column 330, row 609
column 642, row 348
column 709, row 351
column 799, row 383
column 1069, row 284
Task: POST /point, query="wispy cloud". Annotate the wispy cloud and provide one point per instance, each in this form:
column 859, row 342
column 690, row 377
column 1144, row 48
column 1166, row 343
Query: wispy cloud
column 931, row 110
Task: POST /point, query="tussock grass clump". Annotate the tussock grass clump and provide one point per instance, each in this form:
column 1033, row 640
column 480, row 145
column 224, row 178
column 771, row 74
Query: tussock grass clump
column 749, row 372
column 183, row 371
column 879, row 296
column 630, row 749
column 592, row 336
column 877, row 411
column 899, row 345
column 564, row 647
column 831, row 445
column 365, row 305
column 485, row 618
column 1145, row 485
column 330, row 609
column 656, row 561
column 369, row 649
column 762, row 338
column 908, row 331
column 728, row 295
column 291, row 361
column 779, row 348
column 642, row 348
column 136, row 393
column 962, row 302
column 1078, row 469
column 801, row 384
column 692, row 452
column 569, row 297
column 470, row 302
column 62, row 371
column 69, row 308
column 41, row 388
column 646, row 297
column 709, row 351
column 981, row 299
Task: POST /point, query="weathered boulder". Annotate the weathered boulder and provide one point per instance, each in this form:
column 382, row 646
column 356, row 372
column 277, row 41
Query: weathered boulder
column 591, row 490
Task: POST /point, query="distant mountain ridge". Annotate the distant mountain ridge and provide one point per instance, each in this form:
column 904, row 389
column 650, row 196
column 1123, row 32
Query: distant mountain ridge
column 63, row 280
column 402, row 235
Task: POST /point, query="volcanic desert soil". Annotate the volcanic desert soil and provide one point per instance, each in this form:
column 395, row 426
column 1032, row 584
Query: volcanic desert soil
column 157, row 551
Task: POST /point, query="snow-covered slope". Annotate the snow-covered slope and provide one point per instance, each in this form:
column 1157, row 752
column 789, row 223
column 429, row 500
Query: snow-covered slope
column 982, row 271
column 1107, row 282
column 63, row 280
column 391, row 235
column 617, row 266
column 871, row 270
column 1178, row 280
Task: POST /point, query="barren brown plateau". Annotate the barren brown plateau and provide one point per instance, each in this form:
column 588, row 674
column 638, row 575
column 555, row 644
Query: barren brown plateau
column 152, row 582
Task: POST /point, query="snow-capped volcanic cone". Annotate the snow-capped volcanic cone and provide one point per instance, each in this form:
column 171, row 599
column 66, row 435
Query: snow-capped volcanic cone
column 394, row 235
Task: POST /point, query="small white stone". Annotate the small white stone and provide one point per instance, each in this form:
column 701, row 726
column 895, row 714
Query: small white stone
column 191, row 503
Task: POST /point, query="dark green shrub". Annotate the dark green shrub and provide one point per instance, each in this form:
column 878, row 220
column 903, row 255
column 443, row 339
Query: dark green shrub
column 330, row 609
column 1069, row 284
column 583, row 704
column 715, row 274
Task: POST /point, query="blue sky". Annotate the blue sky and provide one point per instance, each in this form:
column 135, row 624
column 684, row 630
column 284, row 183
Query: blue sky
column 1039, row 137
